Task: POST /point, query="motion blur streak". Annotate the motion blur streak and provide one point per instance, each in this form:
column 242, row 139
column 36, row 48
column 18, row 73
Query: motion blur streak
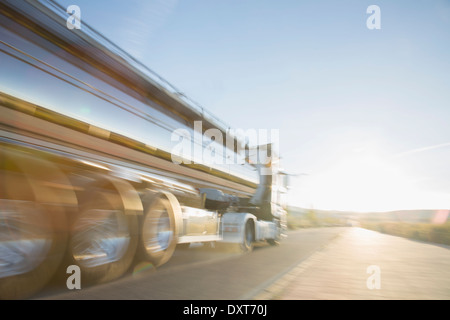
column 87, row 177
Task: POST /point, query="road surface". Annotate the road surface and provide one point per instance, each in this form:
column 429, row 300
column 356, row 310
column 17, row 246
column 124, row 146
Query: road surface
column 364, row 264
column 322, row 263
column 206, row 273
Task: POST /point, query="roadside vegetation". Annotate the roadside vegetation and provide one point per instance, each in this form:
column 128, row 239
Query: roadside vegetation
column 416, row 231
column 411, row 224
column 310, row 218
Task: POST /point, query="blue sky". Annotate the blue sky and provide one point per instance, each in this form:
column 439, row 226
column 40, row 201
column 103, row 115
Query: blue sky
column 365, row 113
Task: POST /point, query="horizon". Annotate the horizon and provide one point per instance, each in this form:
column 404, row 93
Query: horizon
column 365, row 212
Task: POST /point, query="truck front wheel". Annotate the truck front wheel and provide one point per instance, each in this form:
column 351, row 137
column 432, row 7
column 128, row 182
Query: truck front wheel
column 249, row 237
column 279, row 231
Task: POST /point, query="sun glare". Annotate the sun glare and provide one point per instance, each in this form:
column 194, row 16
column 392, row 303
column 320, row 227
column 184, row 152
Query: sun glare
column 362, row 183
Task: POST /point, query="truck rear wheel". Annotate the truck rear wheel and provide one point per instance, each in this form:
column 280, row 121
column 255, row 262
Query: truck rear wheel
column 158, row 237
column 32, row 245
column 103, row 239
column 33, row 229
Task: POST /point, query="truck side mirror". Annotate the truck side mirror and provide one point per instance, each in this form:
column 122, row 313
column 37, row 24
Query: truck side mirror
column 285, row 180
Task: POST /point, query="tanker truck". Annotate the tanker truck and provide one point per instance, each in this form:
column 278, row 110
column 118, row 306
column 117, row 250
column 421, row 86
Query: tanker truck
column 88, row 176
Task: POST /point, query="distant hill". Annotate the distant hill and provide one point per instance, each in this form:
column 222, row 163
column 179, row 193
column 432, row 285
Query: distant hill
column 304, row 218
column 299, row 212
column 412, row 216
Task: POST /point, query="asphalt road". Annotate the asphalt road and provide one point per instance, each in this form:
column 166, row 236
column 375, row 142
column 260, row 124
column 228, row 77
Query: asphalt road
column 201, row 272
column 362, row 264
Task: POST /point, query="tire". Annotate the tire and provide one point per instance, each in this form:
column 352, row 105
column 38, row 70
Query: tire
column 246, row 243
column 158, row 234
column 103, row 239
column 248, row 238
column 276, row 241
column 32, row 245
column 33, row 235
